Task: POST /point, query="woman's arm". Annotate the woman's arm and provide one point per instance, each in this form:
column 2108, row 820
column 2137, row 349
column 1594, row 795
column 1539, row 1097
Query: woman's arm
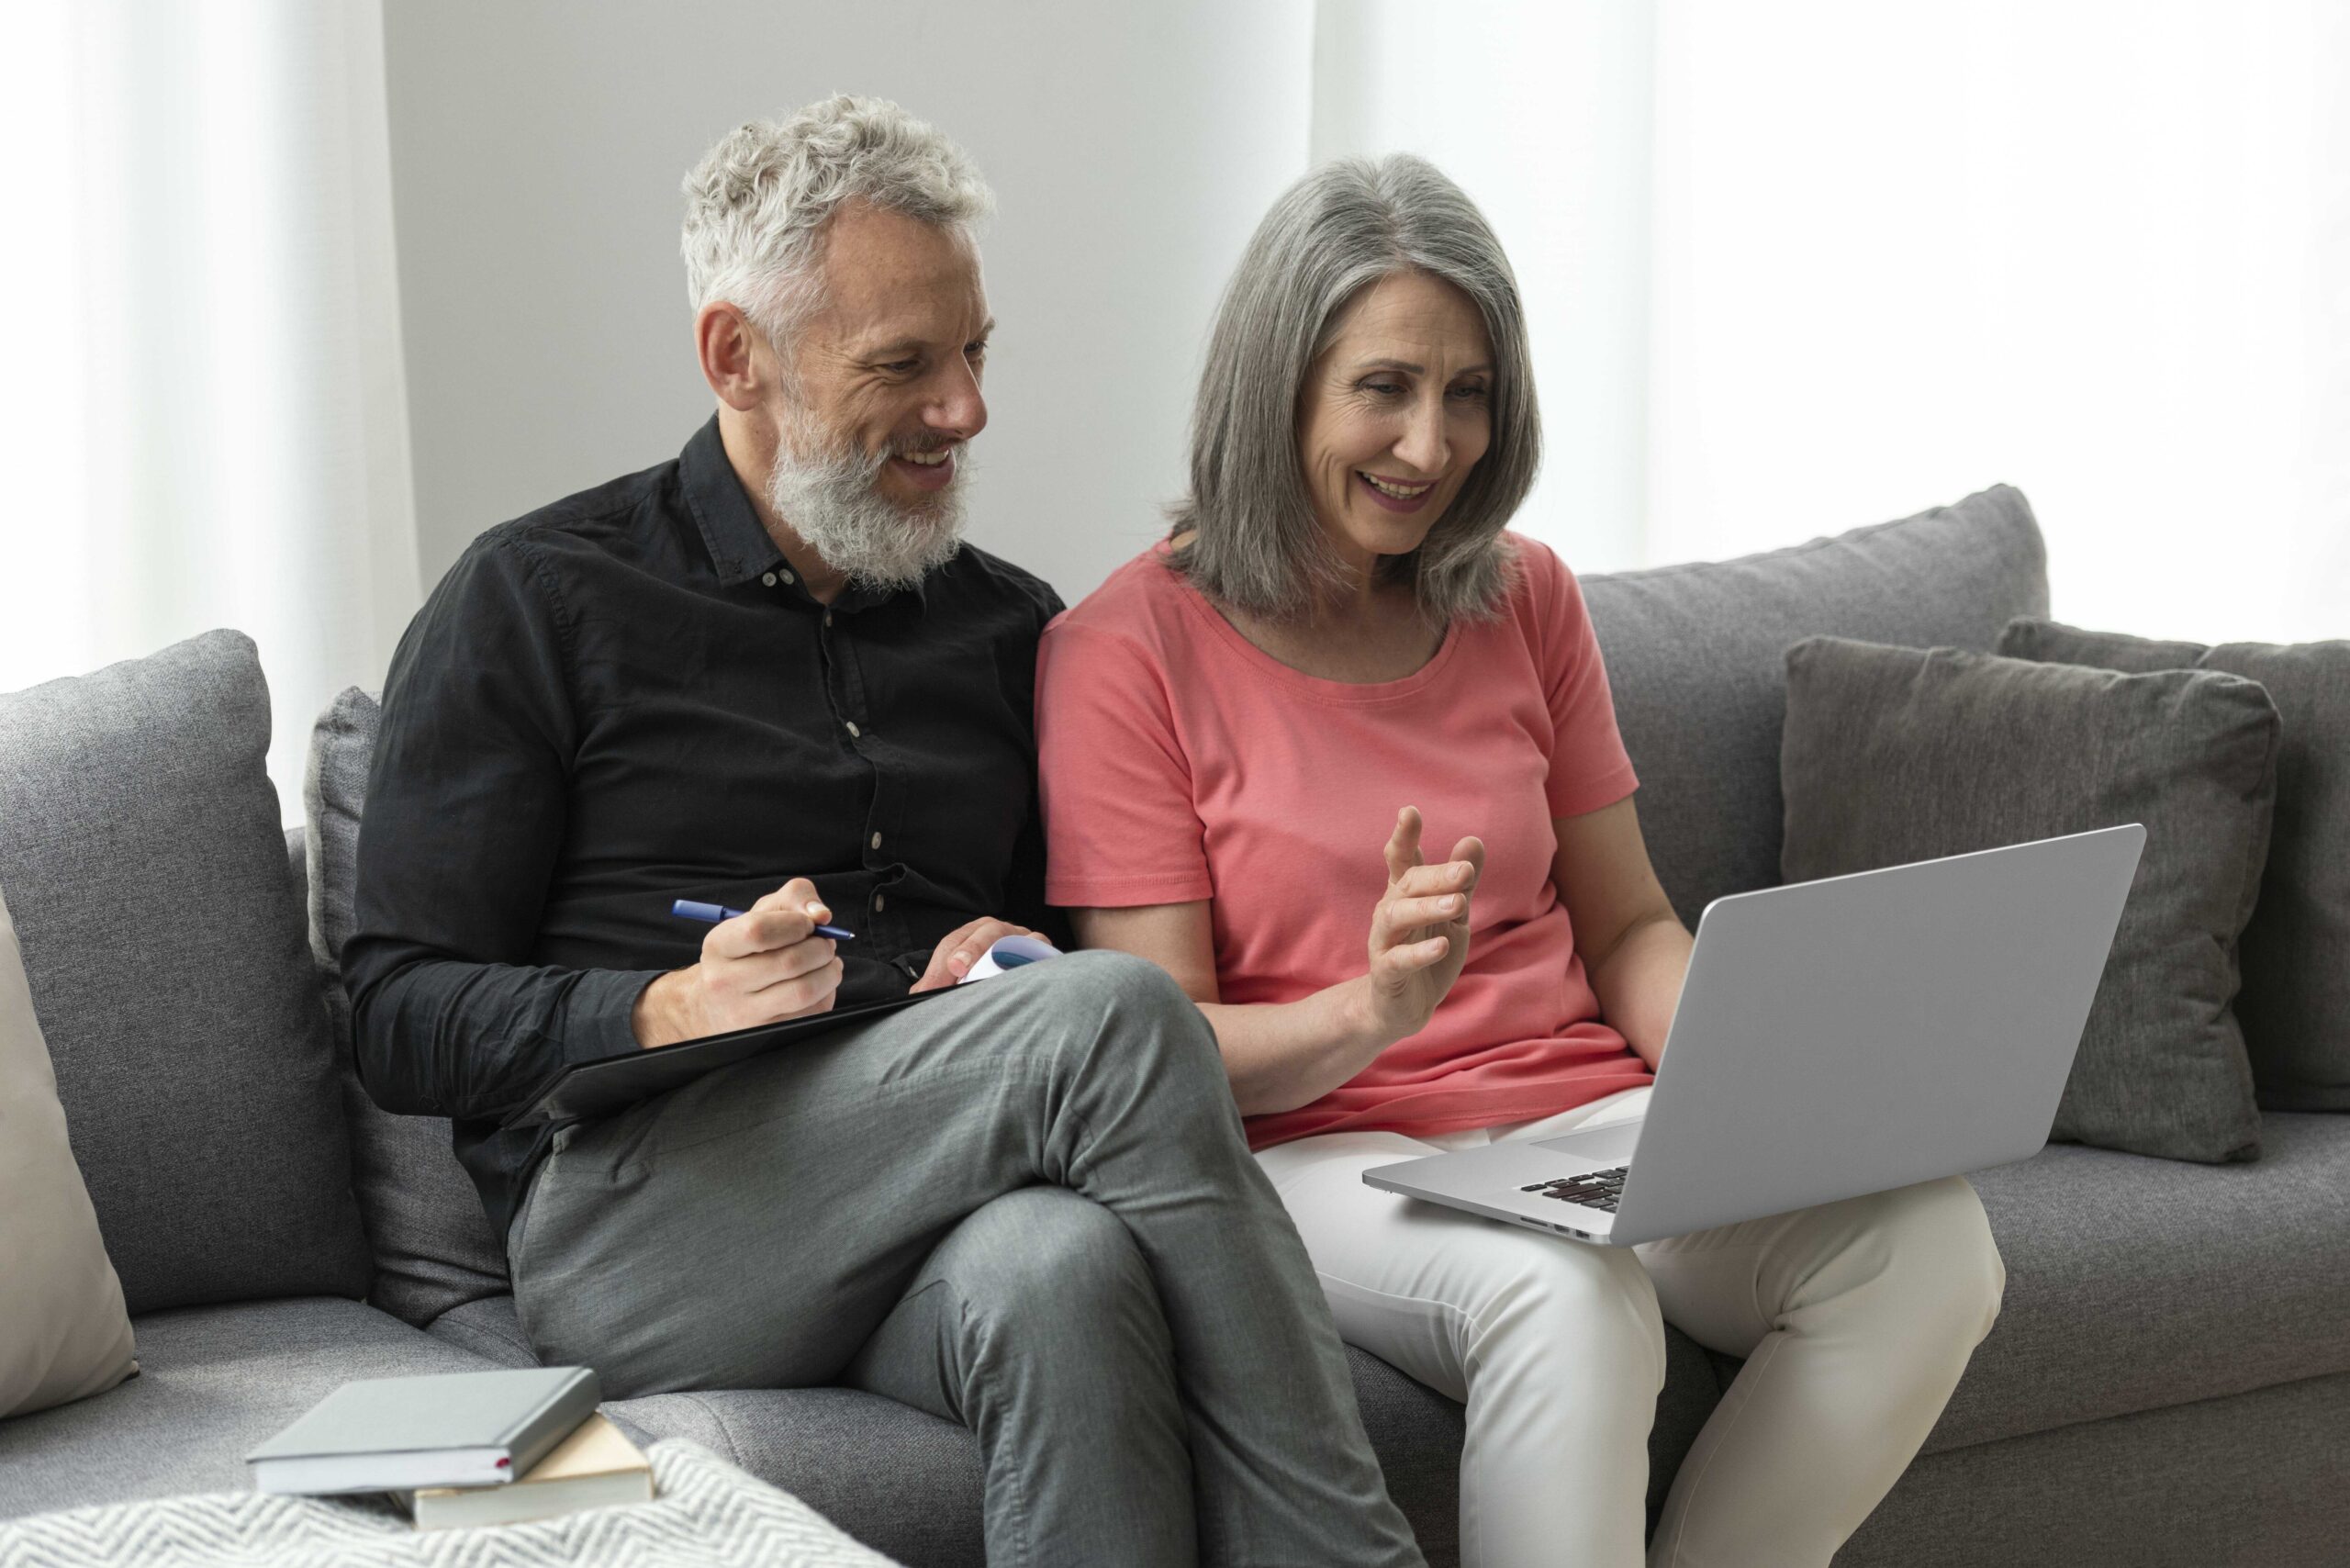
column 1282, row 1055
column 1634, row 948
column 1278, row 1058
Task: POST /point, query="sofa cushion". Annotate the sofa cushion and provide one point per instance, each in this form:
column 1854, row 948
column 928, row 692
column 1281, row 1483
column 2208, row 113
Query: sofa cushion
column 1894, row 755
column 435, row 1247
column 1695, row 659
column 827, row 1444
column 2257, row 1480
column 64, row 1333
column 2295, row 999
column 489, row 1328
column 214, row 1381
column 2135, row 1283
column 140, row 845
column 851, row 1454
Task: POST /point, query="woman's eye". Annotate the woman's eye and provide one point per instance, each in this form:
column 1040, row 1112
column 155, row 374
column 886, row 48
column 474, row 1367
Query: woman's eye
column 1470, row 394
column 1384, row 388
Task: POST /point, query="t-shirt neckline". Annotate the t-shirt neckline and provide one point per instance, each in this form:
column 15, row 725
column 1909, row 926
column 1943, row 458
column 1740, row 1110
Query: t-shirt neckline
column 1317, row 687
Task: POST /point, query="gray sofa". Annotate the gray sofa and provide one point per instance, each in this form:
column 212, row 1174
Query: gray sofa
column 2169, row 1383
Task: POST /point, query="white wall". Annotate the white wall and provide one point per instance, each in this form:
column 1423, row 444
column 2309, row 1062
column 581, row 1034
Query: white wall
column 536, row 152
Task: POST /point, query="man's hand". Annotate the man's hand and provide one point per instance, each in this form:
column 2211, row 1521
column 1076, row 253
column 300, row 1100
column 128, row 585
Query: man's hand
column 961, row 949
column 765, row 964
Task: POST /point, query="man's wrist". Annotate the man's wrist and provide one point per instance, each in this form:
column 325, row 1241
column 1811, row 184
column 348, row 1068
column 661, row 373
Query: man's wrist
column 659, row 1016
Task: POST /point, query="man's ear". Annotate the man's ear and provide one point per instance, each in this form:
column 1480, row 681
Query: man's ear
column 733, row 356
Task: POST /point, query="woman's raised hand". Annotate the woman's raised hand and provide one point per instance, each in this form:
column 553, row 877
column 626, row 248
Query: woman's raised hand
column 1419, row 933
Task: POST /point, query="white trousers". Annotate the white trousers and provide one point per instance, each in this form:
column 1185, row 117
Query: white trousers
column 1855, row 1319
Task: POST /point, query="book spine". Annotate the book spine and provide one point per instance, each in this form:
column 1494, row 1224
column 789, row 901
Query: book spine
column 573, row 1404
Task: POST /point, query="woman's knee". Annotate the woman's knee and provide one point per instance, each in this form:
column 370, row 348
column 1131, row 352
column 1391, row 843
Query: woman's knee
column 1562, row 1300
column 1942, row 1242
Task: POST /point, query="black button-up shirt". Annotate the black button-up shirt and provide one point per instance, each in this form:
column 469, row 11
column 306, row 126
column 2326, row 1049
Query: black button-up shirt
column 628, row 698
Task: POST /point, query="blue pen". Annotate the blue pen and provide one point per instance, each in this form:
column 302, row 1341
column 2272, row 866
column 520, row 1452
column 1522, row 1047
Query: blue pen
column 710, row 914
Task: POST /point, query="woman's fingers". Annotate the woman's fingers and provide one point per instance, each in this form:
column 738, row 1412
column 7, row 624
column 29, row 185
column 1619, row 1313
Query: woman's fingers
column 1398, row 917
column 1403, row 844
column 1410, row 958
column 1427, row 881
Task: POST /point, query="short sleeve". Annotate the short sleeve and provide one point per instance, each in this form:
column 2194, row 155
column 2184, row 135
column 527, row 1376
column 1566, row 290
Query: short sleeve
column 1589, row 768
column 1120, row 827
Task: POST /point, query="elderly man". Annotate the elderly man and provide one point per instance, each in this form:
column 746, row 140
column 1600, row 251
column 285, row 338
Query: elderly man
column 1027, row 1205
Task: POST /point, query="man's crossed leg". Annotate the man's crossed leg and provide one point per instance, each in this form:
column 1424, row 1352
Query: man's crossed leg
column 997, row 1206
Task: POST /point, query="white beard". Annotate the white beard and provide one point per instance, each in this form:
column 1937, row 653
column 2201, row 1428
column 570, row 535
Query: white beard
column 825, row 493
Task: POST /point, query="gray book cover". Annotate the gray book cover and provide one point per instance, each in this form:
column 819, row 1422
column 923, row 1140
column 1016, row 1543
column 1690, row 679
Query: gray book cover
column 525, row 1412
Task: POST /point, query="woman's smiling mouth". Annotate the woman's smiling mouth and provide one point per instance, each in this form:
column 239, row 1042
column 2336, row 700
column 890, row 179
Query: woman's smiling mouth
column 1396, row 495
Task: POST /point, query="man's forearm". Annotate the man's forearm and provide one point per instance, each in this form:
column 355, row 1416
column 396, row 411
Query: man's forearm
column 443, row 1037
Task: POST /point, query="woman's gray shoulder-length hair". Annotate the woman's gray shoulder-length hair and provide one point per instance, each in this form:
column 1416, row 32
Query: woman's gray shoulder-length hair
column 1255, row 543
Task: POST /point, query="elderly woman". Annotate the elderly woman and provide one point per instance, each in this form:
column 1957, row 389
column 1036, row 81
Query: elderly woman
column 1338, row 627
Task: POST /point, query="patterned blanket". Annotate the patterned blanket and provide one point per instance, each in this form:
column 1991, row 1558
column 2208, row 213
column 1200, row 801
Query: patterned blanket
column 705, row 1513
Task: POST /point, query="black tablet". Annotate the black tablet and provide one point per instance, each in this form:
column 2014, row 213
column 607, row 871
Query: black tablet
column 607, row 1085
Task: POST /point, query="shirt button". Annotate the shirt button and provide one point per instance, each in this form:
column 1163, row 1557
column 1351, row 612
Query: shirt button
column 786, row 577
column 877, row 841
column 880, row 903
column 767, row 578
column 828, row 618
column 853, row 729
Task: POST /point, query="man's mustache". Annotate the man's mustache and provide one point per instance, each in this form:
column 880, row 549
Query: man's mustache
column 922, row 446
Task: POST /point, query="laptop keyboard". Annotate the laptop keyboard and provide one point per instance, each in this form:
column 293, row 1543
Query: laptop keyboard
column 1599, row 1190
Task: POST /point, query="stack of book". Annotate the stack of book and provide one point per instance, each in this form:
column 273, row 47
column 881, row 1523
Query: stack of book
column 461, row 1448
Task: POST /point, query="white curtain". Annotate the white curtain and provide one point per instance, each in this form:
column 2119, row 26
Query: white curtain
column 203, row 418
column 1800, row 266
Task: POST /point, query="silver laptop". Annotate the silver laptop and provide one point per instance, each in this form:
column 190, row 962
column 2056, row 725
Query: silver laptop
column 1835, row 1037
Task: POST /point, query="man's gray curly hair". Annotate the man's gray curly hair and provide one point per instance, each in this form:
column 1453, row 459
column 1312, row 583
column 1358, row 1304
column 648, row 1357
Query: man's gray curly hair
column 758, row 204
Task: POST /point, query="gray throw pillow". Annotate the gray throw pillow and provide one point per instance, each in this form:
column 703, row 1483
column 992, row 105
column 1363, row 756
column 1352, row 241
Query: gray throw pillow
column 1695, row 658
column 2296, row 952
column 434, row 1247
column 163, row 939
column 1894, row 755
column 63, row 1332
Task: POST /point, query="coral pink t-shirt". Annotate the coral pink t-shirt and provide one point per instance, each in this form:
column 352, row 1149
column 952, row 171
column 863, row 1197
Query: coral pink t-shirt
column 1179, row 761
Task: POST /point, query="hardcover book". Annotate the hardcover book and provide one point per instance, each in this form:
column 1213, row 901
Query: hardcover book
column 401, row 1434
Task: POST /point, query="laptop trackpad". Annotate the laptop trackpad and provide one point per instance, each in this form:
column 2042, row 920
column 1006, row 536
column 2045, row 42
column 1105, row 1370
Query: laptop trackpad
column 1604, row 1147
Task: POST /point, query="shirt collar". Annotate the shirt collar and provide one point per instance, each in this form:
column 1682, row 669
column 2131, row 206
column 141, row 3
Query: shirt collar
column 740, row 546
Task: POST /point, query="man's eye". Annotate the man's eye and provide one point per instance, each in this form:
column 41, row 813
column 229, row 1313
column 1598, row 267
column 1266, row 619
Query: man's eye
column 975, row 351
column 902, row 367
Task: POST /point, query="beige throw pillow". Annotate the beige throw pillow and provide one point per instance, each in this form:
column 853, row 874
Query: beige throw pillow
column 63, row 1332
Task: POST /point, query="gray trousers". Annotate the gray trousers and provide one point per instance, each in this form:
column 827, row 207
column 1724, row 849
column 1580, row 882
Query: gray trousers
column 1027, row 1207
